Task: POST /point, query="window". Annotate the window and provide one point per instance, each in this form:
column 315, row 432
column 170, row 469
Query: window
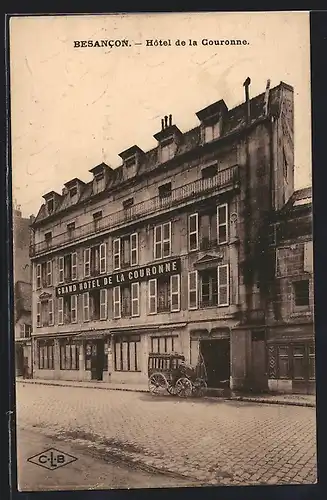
column 116, row 302
column 164, row 344
column 38, row 276
column 299, row 362
column 162, row 241
column 97, row 216
column 48, row 237
column 211, row 132
column 167, row 151
column 73, row 192
column 25, row 331
column 103, row 258
column 222, row 223
column 128, row 353
column 87, row 262
column 103, row 304
column 164, row 294
column 193, row 290
column 51, row 315
column 193, row 232
column 128, row 203
column 94, row 305
column 86, row 306
column 292, row 361
column 209, row 288
column 38, row 314
column 210, row 171
column 46, row 354
column 129, row 297
column 208, row 229
column 165, row 191
column 99, row 183
column 73, row 308
column 67, row 267
column 301, row 293
column 130, row 162
column 134, row 249
column 311, row 362
column 71, row 228
column 69, row 355
column 67, row 309
column 116, row 253
column 50, row 206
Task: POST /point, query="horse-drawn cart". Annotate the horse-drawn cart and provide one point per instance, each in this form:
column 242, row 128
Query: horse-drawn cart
column 168, row 372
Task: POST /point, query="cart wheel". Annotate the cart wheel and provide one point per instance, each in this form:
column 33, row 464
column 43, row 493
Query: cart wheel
column 183, row 387
column 172, row 390
column 199, row 387
column 157, row 384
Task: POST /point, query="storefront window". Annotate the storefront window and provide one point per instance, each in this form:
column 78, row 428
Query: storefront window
column 128, row 353
column 46, row 354
column 69, row 355
column 163, row 344
column 312, row 364
column 283, row 362
column 298, row 362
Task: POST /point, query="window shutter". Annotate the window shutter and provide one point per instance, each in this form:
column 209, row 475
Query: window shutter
column 73, row 308
column 86, row 306
column 158, row 242
column 103, row 303
column 116, row 245
column 135, row 288
column 87, row 262
column 103, row 259
column 222, row 223
column 49, row 273
column 152, row 287
column 74, row 265
column 116, row 297
column 134, row 249
column 60, row 311
column 193, row 290
column 175, row 293
column 38, row 275
column 223, row 285
column 61, row 270
column 166, row 240
column 38, row 314
column 50, row 312
column 193, row 231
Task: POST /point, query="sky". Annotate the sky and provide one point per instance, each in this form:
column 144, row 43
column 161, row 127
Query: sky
column 73, row 108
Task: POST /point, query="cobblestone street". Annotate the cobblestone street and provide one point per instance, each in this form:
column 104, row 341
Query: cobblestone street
column 211, row 441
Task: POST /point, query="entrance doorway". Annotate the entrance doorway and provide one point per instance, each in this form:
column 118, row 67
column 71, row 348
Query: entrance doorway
column 97, row 359
column 19, row 360
column 216, row 356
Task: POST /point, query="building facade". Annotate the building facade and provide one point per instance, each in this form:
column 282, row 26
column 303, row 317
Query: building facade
column 165, row 252
column 22, row 295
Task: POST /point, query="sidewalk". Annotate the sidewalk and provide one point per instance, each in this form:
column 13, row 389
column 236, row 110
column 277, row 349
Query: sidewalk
column 307, row 400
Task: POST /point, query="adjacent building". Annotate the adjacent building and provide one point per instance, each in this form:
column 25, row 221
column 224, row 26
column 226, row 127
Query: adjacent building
column 22, row 294
column 168, row 251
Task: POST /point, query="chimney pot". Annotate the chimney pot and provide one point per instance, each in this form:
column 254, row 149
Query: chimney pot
column 170, row 120
column 162, row 124
column 166, row 121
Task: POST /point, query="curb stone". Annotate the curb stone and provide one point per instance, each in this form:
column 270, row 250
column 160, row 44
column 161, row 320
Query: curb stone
column 250, row 399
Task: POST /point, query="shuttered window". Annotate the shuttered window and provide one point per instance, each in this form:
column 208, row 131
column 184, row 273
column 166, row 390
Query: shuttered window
column 193, row 290
column 61, row 271
column 222, row 223
column 193, row 224
column 87, row 262
column 152, row 291
column 103, row 258
column 116, row 302
column 86, row 306
column 73, row 308
column 103, row 303
column 134, row 249
column 74, row 266
column 223, row 285
column 116, row 253
column 60, row 311
column 135, row 290
column 175, row 293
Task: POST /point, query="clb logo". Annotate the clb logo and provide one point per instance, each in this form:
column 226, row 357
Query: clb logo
column 52, row 459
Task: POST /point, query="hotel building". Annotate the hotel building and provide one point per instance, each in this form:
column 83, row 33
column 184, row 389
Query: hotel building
column 166, row 252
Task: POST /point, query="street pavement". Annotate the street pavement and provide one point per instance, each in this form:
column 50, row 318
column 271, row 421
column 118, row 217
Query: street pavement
column 209, row 441
column 88, row 470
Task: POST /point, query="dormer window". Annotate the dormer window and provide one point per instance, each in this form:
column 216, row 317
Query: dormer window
column 97, row 215
column 167, row 150
column 71, row 228
column 48, row 237
column 210, row 171
column 99, row 182
column 211, row 132
column 73, row 191
column 130, row 162
column 50, row 206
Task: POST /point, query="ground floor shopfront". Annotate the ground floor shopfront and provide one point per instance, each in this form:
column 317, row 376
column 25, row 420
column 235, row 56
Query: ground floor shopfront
column 23, row 357
column 236, row 358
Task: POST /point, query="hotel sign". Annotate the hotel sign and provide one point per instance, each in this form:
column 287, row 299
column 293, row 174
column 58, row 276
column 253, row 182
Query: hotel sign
column 122, row 277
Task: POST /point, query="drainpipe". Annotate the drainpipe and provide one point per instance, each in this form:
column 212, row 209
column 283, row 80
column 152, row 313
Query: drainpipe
column 247, row 202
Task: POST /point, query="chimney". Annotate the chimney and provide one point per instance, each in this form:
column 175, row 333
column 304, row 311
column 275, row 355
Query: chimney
column 166, row 121
column 246, row 84
column 162, row 124
column 170, row 120
column 266, row 101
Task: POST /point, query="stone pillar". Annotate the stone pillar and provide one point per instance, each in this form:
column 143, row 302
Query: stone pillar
column 240, row 345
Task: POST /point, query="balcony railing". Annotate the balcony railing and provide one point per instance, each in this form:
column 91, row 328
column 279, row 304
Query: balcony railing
column 188, row 192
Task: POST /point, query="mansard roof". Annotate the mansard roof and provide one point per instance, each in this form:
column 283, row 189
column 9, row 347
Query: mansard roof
column 234, row 121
